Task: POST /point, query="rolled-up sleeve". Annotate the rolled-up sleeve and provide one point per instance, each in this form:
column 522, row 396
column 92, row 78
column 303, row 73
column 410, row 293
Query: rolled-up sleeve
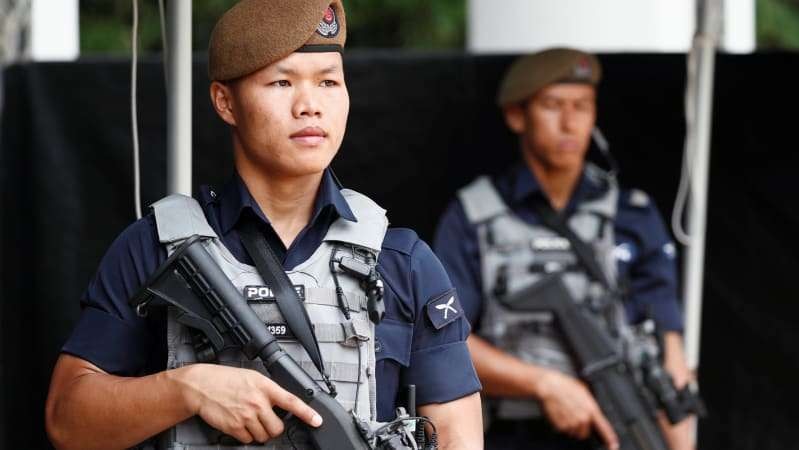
column 102, row 339
column 108, row 333
column 652, row 272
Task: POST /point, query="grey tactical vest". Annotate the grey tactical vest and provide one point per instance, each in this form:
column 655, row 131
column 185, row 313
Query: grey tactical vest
column 347, row 345
column 515, row 255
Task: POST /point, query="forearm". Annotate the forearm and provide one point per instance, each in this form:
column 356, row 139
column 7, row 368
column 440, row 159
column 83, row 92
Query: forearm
column 501, row 374
column 102, row 411
column 679, row 435
column 459, row 423
column 674, row 359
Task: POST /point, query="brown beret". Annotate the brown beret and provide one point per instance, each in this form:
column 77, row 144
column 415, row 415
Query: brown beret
column 528, row 74
column 255, row 33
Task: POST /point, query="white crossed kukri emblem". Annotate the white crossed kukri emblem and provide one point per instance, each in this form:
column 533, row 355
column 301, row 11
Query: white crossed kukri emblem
column 448, row 307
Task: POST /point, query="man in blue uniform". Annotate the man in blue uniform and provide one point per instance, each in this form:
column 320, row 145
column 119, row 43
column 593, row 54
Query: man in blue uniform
column 278, row 82
column 492, row 241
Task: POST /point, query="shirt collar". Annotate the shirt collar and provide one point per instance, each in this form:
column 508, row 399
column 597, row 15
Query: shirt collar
column 235, row 198
column 525, row 185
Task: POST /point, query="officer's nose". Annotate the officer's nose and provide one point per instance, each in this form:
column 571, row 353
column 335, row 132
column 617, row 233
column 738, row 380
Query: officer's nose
column 306, row 104
column 568, row 119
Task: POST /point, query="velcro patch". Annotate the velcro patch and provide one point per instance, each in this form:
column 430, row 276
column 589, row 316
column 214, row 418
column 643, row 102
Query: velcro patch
column 444, row 309
column 264, row 294
column 280, row 331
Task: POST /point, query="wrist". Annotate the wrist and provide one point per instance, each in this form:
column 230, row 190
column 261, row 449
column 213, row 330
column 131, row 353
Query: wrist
column 182, row 381
column 539, row 384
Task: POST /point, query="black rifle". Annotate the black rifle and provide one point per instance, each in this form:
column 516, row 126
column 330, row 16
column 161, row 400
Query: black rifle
column 599, row 363
column 207, row 301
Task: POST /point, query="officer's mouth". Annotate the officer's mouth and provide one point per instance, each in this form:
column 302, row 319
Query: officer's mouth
column 309, row 136
column 568, row 145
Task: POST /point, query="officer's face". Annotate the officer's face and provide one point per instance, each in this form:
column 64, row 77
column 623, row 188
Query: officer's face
column 289, row 117
column 555, row 124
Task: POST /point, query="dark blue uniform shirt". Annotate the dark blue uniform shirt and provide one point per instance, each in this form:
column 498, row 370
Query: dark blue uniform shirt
column 414, row 345
column 644, row 250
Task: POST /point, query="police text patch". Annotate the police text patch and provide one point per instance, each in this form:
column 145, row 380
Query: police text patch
column 444, row 309
column 264, row 294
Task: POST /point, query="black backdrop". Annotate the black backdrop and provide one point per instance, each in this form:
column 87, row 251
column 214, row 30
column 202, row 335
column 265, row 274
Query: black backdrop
column 421, row 125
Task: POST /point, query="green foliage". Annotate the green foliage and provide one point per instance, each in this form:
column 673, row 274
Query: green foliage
column 778, row 24
column 105, row 25
column 406, row 23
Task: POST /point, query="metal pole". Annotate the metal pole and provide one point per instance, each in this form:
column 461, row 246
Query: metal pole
column 179, row 98
column 699, row 165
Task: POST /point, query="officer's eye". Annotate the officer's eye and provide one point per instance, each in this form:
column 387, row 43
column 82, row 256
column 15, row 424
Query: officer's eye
column 280, row 83
column 550, row 103
column 584, row 106
column 328, row 83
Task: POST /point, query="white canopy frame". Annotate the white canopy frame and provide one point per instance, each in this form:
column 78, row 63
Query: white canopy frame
column 179, row 120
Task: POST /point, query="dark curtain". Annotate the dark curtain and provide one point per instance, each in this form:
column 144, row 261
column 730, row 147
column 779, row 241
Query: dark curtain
column 421, row 125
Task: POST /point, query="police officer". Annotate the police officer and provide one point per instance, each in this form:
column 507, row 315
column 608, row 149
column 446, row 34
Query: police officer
column 492, row 241
column 278, row 82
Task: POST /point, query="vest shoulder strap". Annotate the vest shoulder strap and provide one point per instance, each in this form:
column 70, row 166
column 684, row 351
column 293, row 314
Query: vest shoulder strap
column 178, row 217
column 605, row 205
column 481, row 201
column 371, row 225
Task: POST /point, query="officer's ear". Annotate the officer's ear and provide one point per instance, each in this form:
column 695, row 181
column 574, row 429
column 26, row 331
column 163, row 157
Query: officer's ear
column 515, row 117
column 222, row 99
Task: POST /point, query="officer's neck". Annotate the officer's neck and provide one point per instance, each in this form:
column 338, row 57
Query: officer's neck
column 557, row 183
column 287, row 201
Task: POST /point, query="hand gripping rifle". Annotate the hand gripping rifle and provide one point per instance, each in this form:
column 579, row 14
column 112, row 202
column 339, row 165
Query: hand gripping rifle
column 208, row 302
column 599, row 363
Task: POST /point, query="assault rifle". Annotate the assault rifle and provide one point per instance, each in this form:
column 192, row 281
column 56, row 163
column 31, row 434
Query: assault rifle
column 208, row 302
column 628, row 396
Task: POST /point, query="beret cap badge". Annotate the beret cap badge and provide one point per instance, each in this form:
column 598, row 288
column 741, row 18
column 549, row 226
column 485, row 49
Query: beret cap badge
column 582, row 70
column 328, row 26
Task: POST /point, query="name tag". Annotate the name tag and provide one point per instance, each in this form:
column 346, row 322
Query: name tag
column 264, row 294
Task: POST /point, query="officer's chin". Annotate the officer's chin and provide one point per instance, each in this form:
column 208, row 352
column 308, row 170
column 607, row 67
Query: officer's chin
column 566, row 163
column 309, row 164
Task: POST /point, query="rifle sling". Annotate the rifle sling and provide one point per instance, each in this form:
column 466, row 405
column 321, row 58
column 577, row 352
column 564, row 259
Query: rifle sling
column 288, row 302
column 585, row 253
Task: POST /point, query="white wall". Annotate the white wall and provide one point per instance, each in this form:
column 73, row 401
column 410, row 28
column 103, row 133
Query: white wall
column 54, row 32
column 514, row 26
column 738, row 30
